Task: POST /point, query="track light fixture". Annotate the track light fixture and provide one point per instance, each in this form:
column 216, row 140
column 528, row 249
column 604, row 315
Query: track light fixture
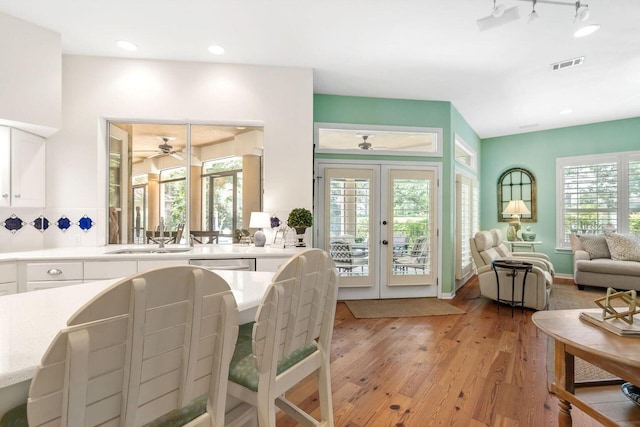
column 582, row 10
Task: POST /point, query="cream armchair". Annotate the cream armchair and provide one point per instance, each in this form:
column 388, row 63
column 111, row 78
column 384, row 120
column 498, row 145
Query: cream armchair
column 487, row 246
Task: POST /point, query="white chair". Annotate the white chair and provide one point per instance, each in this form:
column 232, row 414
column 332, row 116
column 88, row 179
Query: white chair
column 155, row 344
column 290, row 340
column 488, row 246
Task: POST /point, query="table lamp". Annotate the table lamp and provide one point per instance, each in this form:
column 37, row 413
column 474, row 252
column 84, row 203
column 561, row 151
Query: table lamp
column 515, row 208
column 259, row 220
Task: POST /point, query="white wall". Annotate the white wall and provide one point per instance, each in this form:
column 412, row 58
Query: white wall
column 30, row 76
column 96, row 89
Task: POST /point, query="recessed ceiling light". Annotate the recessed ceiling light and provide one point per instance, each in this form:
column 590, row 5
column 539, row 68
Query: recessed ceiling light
column 127, row 45
column 585, row 31
column 216, row 50
column 566, row 111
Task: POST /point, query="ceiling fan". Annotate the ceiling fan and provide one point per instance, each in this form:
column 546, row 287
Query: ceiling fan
column 365, row 144
column 164, row 149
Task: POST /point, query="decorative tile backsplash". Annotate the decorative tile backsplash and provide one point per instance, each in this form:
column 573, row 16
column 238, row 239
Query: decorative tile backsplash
column 35, row 228
column 13, row 223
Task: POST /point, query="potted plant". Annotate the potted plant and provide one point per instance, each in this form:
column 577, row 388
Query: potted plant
column 239, row 234
column 300, row 219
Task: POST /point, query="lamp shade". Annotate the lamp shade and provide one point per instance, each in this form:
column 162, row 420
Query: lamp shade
column 516, row 207
column 260, row 220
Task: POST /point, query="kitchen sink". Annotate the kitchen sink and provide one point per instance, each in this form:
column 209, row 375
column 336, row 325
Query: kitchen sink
column 150, row 251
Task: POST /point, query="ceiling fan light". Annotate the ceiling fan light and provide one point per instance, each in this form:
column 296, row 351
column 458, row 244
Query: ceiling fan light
column 585, row 31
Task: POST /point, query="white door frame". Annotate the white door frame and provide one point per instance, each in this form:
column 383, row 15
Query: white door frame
column 374, row 292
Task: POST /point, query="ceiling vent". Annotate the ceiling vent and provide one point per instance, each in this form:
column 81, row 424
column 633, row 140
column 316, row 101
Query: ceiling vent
column 563, row 65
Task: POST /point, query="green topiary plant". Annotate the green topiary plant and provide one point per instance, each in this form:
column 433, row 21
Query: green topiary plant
column 299, row 218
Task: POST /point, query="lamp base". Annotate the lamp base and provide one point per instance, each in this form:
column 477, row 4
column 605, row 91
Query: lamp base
column 259, row 239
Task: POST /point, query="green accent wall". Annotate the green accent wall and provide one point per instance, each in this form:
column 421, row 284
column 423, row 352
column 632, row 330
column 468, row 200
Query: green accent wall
column 404, row 112
column 537, row 152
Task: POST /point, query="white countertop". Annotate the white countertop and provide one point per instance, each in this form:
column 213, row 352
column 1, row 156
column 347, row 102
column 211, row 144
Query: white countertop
column 29, row 321
column 102, row 253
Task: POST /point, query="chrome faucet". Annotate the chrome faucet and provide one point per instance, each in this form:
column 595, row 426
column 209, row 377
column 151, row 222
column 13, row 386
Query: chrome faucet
column 161, row 227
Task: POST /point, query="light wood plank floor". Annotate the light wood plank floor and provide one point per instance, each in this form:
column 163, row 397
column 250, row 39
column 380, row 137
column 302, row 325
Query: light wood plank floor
column 482, row 368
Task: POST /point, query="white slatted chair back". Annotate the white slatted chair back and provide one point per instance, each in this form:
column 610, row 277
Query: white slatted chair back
column 298, row 310
column 145, row 346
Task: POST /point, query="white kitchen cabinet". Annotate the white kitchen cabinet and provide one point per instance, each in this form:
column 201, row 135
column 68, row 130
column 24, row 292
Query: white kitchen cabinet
column 102, row 270
column 45, row 275
column 22, row 168
column 8, row 278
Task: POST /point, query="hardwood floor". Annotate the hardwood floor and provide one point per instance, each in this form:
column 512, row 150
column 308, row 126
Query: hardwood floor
column 482, row 368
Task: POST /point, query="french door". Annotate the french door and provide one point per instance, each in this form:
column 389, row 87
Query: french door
column 380, row 226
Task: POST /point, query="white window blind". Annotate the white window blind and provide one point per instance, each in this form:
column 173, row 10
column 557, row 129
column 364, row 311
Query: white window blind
column 349, row 215
column 467, row 222
column 596, row 194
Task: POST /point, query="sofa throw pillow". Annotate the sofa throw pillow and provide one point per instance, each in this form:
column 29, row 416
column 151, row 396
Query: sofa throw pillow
column 623, row 248
column 596, row 246
column 574, row 239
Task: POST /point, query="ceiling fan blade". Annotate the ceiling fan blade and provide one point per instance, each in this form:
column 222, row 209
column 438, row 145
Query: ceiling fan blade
column 175, row 155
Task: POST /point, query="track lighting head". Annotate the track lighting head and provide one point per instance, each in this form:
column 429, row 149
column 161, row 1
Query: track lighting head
column 582, row 12
column 498, row 10
column 533, row 16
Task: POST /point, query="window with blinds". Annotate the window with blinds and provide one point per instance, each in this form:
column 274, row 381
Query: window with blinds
column 467, row 222
column 598, row 193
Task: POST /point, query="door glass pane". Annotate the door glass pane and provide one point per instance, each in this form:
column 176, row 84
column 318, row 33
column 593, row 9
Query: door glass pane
column 411, row 201
column 139, row 213
column 348, row 227
column 223, row 196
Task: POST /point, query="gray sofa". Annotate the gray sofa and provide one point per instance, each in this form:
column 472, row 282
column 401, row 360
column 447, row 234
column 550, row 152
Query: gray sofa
column 610, row 260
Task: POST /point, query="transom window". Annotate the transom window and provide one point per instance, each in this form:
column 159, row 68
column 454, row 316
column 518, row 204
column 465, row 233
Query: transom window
column 596, row 194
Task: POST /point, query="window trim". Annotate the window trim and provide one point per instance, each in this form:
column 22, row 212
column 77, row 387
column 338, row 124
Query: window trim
column 470, row 152
column 622, row 159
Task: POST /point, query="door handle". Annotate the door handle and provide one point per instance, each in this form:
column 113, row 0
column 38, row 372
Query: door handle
column 385, row 242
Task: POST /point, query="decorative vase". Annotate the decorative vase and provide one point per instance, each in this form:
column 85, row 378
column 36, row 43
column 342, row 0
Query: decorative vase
column 300, row 232
column 511, row 233
column 528, row 235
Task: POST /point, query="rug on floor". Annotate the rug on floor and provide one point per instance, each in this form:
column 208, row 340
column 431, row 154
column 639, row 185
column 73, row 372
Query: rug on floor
column 568, row 296
column 400, row 307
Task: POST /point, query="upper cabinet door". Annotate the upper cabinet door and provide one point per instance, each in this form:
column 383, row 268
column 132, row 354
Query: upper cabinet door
column 27, row 169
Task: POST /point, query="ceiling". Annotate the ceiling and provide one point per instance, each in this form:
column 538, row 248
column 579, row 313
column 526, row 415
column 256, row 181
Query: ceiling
column 498, row 79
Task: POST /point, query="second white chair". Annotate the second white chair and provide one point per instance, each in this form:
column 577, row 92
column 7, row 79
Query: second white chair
column 290, row 340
